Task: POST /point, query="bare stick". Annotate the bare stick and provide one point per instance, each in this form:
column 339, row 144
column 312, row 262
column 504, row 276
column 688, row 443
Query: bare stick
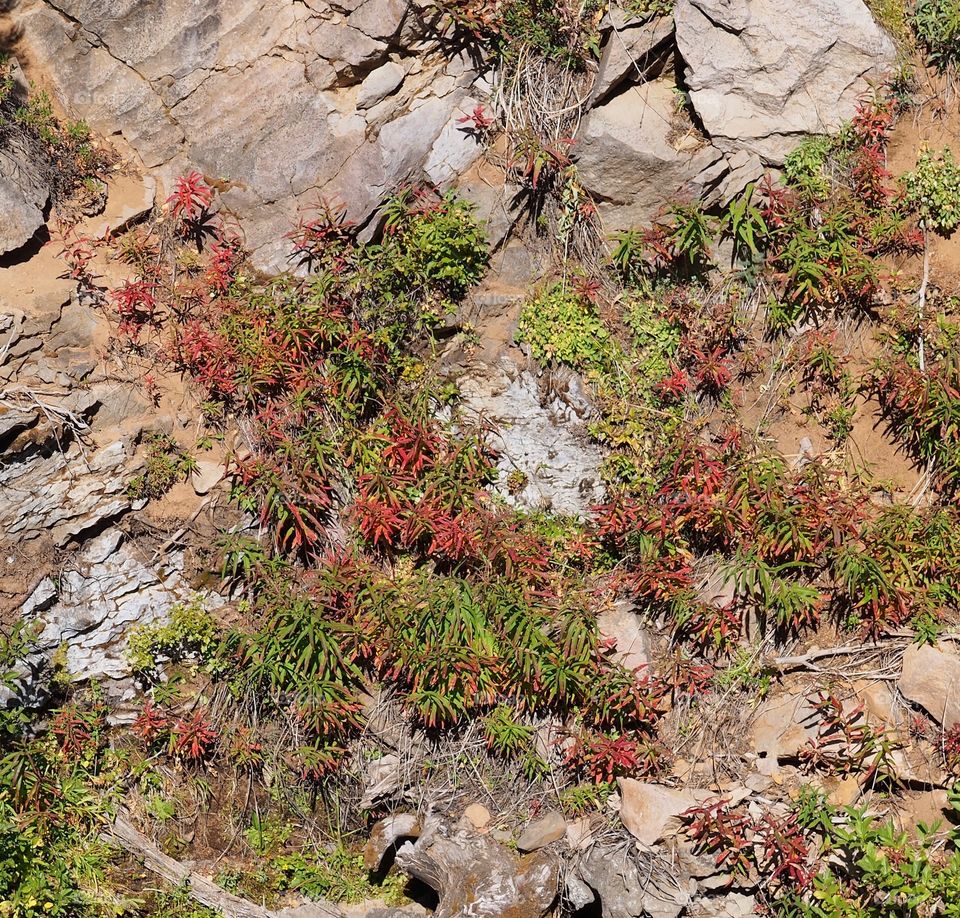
column 205, row 891
column 922, row 304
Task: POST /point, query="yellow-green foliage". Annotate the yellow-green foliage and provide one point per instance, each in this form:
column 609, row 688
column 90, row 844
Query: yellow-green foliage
column 189, row 632
column 933, row 190
column 561, row 326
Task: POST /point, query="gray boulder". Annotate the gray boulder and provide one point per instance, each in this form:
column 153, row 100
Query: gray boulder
column 636, row 152
column 23, row 196
column 542, row 832
column 765, row 73
column 94, row 604
column 542, row 440
column 931, row 678
column 474, row 875
column 633, row 52
column 65, row 495
column 379, row 84
column 261, row 98
column 629, row 885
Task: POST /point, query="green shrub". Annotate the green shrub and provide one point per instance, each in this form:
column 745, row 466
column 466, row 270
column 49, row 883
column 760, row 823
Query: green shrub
column 189, row 632
column 647, row 9
column 338, row 875
column 878, row 870
column 562, row 326
column 435, row 248
column 64, row 151
column 933, row 190
column 937, row 24
column 167, row 463
column 892, row 15
column 803, row 167
column 561, row 30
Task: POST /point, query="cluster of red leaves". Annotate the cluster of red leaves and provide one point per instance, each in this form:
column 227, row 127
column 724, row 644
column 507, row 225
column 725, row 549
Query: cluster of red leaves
column 774, row 847
column 137, row 306
column 725, row 499
column 425, row 496
column 78, row 252
column 482, row 18
column 708, row 357
column 191, row 737
column 294, row 498
column 494, row 622
column 478, row 122
column 845, row 741
column 77, row 730
column 604, row 757
column 922, row 408
column 537, row 165
column 191, row 198
column 323, row 239
column 951, row 748
column 141, row 302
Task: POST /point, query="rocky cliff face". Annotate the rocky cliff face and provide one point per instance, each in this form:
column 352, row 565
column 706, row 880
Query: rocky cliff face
column 282, row 103
column 285, row 103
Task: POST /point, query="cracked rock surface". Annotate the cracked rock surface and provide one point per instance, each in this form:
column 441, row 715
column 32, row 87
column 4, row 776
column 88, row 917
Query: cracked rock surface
column 265, row 98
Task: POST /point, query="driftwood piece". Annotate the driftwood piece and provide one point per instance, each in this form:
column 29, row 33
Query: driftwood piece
column 385, row 834
column 475, row 876
column 205, row 891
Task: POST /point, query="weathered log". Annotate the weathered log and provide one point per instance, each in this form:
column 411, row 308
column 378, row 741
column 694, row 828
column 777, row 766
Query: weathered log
column 205, row 891
column 474, row 875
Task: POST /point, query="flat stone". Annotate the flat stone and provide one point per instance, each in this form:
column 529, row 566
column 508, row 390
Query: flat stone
column 455, row 149
column 927, row 807
column 845, row 791
column 781, row 728
column 130, row 198
column 546, row 444
column 648, row 811
column 206, row 476
column 65, row 494
column 631, row 640
column 477, row 815
column 931, row 678
column 379, row 19
column 634, row 154
column 627, row 53
column 23, row 196
column 542, row 832
column 97, row 602
column 579, row 834
column 878, row 701
column 379, row 84
column 627, row 888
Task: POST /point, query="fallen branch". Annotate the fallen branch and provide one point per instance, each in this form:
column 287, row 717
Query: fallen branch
column 805, row 661
column 205, row 891
column 922, row 300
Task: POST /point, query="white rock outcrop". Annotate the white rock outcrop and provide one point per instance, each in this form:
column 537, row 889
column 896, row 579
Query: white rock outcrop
column 762, row 74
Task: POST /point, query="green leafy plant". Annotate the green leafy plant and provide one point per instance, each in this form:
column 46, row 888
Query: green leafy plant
column 190, row 633
column 937, row 24
column 560, row 31
column 743, row 222
column 562, row 326
column 167, row 463
column 933, row 190
column 803, row 167
column 647, row 9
